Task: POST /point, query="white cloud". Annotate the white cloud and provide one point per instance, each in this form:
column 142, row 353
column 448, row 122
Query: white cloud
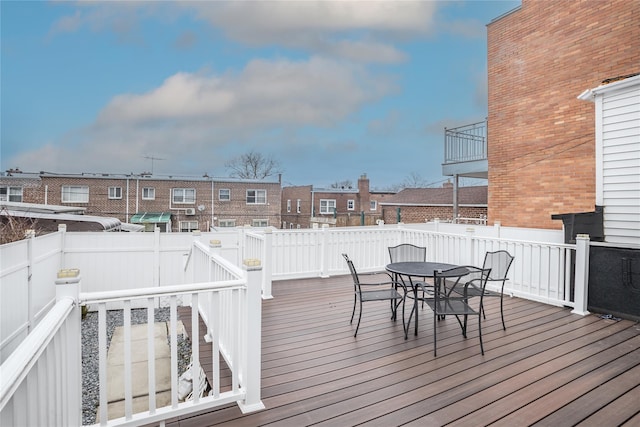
column 265, row 93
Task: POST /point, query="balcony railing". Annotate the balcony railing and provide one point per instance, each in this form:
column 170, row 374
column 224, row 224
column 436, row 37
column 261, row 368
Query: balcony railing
column 465, row 143
column 225, row 296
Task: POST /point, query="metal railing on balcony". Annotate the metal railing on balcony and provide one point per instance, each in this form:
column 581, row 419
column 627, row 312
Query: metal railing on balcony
column 465, row 143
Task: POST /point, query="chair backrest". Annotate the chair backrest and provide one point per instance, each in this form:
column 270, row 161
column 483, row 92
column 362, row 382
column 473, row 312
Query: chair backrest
column 473, row 276
column 407, row 252
column 352, row 269
column 499, row 262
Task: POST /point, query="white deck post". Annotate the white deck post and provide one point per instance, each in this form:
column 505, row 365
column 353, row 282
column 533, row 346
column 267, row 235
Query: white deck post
column 267, row 258
column 324, row 251
column 253, row 335
column 68, row 286
column 470, row 249
column 581, row 282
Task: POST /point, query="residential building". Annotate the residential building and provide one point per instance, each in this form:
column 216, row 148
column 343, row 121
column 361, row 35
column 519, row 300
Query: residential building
column 413, row 205
column 171, row 203
column 307, row 206
column 541, row 137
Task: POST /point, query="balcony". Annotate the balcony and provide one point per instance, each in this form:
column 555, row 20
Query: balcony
column 274, row 308
column 465, row 151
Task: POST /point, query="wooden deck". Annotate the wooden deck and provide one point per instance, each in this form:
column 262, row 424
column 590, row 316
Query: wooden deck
column 549, row 368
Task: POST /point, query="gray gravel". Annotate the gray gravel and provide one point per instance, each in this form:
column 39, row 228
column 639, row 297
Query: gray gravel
column 90, row 356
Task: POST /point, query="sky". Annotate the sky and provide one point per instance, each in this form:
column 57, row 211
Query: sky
column 331, row 90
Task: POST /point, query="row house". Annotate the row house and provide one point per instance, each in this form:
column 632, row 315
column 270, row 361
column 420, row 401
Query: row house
column 413, row 205
column 171, row 203
column 308, row 206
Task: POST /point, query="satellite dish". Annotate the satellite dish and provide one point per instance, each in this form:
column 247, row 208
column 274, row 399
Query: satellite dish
column 200, row 208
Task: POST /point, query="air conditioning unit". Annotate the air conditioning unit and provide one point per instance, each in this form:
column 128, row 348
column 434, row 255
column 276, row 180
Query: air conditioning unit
column 190, row 211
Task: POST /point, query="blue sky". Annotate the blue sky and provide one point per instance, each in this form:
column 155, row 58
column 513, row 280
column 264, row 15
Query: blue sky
column 331, row 90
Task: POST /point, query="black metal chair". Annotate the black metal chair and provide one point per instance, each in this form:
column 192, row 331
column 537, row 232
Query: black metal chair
column 390, row 293
column 499, row 262
column 406, row 252
column 445, row 302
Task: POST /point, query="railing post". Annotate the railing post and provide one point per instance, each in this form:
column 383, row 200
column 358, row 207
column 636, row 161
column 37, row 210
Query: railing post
column 267, row 254
column 195, row 237
column 68, row 286
column 62, row 228
column 324, row 251
column 470, row 248
column 253, row 337
column 156, row 256
column 30, row 236
column 496, row 227
column 581, row 283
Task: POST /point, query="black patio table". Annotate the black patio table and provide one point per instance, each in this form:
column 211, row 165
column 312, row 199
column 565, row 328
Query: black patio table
column 422, row 270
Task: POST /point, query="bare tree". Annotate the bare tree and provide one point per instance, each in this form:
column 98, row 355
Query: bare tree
column 253, row 165
column 346, row 184
column 414, row 180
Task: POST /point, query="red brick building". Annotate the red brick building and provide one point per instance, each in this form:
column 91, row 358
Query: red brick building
column 414, row 205
column 172, row 203
column 541, row 142
column 306, row 206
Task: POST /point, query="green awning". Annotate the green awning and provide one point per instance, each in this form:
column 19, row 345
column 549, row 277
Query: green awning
column 150, row 217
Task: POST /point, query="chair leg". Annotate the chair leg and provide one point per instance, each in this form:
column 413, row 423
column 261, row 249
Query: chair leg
column 435, row 336
column 480, row 335
column 355, row 300
column 359, row 318
column 504, row 327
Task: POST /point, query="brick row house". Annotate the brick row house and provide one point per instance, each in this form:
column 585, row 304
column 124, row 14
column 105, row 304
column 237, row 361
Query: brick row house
column 541, row 137
column 308, row 206
column 171, row 203
column 413, row 205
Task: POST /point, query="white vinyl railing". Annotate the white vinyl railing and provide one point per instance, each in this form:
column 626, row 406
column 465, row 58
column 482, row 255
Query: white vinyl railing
column 40, row 382
column 153, row 267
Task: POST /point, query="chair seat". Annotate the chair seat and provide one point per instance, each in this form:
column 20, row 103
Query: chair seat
column 451, row 306
column 380, row 295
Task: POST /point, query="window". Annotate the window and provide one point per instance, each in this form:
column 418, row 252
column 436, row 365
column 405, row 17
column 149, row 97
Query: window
column 115, row 192
column 75, row 194
column 148, row 193
column 327, row 206
column 260, row 223
column 184, row 195
column 288, row 205
column 256, row 197
column 227, row 223
column 291, row 226
column 188, row 226
column 298, row 206
column 351, row 205
column 373, row 205
column 224, row 194
column 11, row 194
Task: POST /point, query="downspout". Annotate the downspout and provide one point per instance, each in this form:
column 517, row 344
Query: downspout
column 213, row 224
column 126, row 214
column 455, row 199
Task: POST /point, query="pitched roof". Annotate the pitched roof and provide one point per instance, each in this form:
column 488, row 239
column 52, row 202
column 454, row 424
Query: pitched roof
column 476, row 195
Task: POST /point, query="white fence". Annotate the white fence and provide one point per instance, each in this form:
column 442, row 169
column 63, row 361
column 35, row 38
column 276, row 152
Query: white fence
column 149, row 270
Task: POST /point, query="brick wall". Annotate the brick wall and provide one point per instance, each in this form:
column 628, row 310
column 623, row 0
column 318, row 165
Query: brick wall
column 541, row 137
column 209, row 210
column 418, row 214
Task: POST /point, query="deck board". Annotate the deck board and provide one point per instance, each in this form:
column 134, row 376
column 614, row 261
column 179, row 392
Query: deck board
column 549, row 366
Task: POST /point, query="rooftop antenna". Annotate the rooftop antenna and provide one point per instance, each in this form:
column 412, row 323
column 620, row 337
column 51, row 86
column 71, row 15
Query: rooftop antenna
column 153, row 159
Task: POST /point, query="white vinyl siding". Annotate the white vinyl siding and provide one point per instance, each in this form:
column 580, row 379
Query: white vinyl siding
column 618, row 160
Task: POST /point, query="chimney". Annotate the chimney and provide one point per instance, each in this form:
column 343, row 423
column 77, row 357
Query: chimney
column 363, row 192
